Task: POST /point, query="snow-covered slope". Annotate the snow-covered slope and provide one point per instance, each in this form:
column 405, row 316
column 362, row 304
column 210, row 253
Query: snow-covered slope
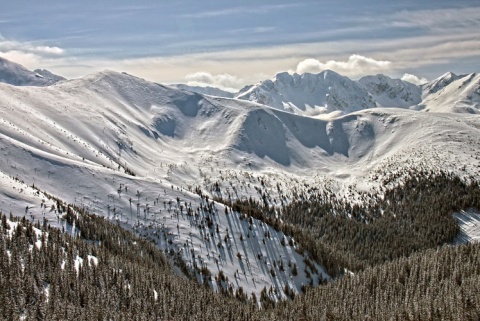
column 469, row 222
column 211, row 91
column 388, row 92
column 79, row 140
column 451, row 93
column 75, row 140
column 309, row 94
column 113, row 120
column 17, row 75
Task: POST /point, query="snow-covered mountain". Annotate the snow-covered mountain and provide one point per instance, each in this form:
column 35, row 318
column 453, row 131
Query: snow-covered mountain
column 388, row 92
column 326, row 92
column 309, row 94
column 452, row 93
column 17, row 75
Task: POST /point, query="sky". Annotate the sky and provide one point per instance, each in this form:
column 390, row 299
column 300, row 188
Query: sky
column 230, row 44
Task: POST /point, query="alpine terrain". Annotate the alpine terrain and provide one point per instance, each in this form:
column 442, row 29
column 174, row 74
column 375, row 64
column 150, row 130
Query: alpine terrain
column 290, row 199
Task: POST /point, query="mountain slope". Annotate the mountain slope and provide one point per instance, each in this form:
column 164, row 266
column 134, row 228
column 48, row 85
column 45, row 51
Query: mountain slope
column 439, row 83
column 17, row 75
column 110, row 120
column 388, row 92
column 75, row 140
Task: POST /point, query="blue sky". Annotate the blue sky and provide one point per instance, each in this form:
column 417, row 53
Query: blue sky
column 233, row 43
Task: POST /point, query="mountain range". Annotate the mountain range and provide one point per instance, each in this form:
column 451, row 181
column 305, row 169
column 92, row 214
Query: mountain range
column 315, row 94
column 327, row 92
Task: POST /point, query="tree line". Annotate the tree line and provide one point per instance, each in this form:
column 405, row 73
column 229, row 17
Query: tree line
column 414, row 214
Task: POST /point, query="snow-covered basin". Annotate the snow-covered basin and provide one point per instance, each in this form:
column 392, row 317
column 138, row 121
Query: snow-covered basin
column 469, row 222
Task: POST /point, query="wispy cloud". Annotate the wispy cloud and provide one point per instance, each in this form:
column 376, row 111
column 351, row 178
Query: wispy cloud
column 426, row 50
column 445, row 20
column 252, row 30
column 238, row 10
column 28, row 47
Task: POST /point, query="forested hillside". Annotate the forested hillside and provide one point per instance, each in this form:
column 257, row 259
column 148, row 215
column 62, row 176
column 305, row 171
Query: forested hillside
column 391, row 257
column 49, row 275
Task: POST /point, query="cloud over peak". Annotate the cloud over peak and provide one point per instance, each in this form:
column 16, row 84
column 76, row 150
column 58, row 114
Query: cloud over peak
column 414, row 79
column 355, row 66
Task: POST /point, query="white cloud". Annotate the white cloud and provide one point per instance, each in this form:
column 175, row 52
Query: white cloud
column 49, row 50
column 27, row 54
column 414, row 79
column 28, row 60
column 26, row 47
column 224, row 81
column 356, row 65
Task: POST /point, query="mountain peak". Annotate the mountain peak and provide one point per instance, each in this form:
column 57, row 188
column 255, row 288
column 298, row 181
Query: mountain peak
column 389, row 92
column 448, row 75
column 330, row 73
column 309, row 94
column 283, row 75
column 439, row 83
column 108, row 78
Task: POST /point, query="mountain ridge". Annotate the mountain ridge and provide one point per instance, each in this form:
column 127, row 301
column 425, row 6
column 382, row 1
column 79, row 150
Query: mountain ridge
column 325, row 92
column 453, row 94
column 345, row 95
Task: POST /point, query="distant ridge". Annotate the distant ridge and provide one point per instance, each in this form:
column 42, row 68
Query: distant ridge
column 327, row 92
column 308, row 93
column 17, row 75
